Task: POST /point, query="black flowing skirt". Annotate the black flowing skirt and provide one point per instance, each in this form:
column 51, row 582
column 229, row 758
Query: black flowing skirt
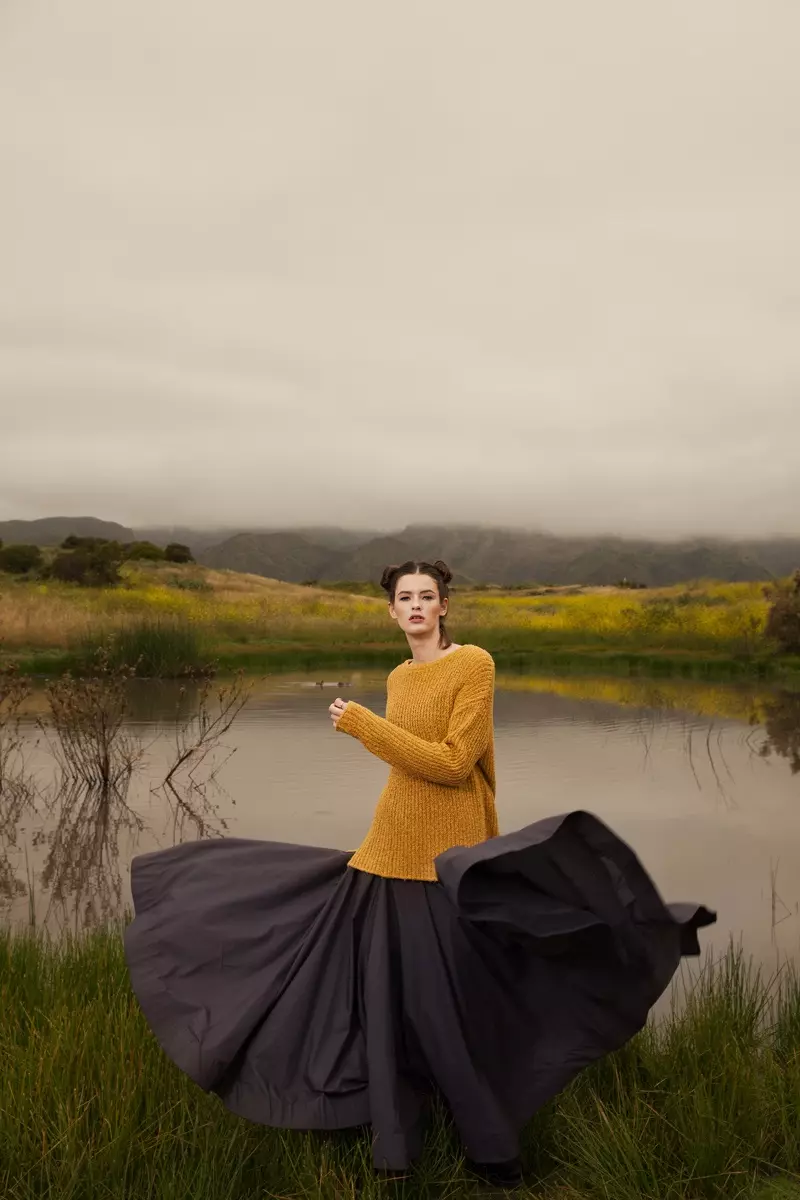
column 310, row 995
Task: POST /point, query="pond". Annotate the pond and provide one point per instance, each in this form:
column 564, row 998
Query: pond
column 703, row 782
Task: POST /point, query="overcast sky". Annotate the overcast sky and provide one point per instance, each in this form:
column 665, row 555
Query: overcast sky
column 526, row 263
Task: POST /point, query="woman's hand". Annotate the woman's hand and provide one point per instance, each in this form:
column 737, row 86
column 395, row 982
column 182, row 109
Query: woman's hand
column 336, row 709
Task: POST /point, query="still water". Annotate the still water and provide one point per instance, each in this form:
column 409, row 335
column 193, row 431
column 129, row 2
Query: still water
column 703, row 783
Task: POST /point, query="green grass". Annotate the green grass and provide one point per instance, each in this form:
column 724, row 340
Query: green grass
column 190, row 653
column 704, row 1104
column 175, row 619
column 157, row 649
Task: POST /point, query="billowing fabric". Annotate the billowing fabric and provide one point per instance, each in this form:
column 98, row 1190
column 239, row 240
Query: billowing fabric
column 308, row 994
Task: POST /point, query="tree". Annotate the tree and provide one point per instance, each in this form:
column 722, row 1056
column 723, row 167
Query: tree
column 176, row 552
column 20, row 559
column 88, row 566
column 73, row 542
column 783, row 620
column 136, row 551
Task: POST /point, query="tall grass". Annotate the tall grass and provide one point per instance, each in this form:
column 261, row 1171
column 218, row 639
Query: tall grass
column 705, row 1103
column 155, row 648
column 239, row 618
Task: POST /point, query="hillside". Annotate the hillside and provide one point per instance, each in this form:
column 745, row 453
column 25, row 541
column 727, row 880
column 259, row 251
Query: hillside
column 507, row 557
column 51, row 531
column 476, row 554
column 331, row 537
column 287, row 556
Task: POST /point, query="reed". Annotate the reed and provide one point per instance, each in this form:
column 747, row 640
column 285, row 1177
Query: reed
column 703, row 1104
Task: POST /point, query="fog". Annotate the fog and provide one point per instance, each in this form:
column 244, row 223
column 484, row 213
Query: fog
column 525, row 264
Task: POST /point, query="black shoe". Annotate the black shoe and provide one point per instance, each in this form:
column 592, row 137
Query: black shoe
column 500, row 1174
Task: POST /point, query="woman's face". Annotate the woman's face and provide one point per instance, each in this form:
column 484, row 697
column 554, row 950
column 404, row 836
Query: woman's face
column 417, row 607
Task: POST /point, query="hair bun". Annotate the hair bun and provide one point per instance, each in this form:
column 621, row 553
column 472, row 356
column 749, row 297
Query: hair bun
column 446, row 573
column 386, row 578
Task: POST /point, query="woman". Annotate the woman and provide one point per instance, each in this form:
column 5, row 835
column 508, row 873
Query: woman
column 314, row 989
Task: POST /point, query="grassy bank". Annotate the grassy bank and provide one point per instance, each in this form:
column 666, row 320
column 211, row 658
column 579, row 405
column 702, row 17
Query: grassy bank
column 706, row 1104
column 174, row 617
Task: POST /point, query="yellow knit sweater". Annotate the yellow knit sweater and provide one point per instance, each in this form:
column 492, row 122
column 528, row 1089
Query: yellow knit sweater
column 438, row 738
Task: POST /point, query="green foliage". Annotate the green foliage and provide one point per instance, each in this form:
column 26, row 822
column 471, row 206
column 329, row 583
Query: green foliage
column 153, row 649
column 704, row 1106
column 783, row 620
column 95, row 565
column 176, row 552
column 191, row 585
column 20, row 559
column 356, row 587
column 137, row 551
column 73, row 542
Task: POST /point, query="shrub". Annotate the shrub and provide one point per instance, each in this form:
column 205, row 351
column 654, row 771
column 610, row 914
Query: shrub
column 20, row 559
column 136, row 551
column 191, row 585
column 783, row 620
column 73, row 542
column 88, row 567
column 176, row 552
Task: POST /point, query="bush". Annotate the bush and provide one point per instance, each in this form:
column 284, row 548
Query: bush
column 88, row 567
column 176, row 552
column 783, row 621
column 73, row 542
column 20, row 559
column 135, row 551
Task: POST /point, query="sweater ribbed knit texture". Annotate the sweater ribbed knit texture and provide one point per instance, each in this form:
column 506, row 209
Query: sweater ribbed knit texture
column 438, row 738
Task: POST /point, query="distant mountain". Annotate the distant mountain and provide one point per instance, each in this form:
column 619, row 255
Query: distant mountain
column 482, row 554
column 475, row 553
column 287, row 556
column 51, row 531
column 199, row 540
column 196, row 539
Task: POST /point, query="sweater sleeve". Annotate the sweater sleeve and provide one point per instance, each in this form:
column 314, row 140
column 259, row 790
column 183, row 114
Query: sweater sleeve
column 447, row 762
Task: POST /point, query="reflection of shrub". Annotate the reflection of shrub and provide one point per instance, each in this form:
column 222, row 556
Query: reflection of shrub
column 97, row 567
column 19, row 560
column 782, row 724
column 138, row 551
column 176, row 552
column 783, row 621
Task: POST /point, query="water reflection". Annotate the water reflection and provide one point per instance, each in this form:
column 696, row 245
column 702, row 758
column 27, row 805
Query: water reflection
column 77, row 819
column 782, row 727
column 76, row 804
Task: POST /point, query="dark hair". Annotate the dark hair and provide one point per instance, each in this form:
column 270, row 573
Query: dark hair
column 438, row 570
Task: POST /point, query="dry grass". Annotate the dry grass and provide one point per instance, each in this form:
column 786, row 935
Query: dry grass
column 37, row 616
column 230, row 608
